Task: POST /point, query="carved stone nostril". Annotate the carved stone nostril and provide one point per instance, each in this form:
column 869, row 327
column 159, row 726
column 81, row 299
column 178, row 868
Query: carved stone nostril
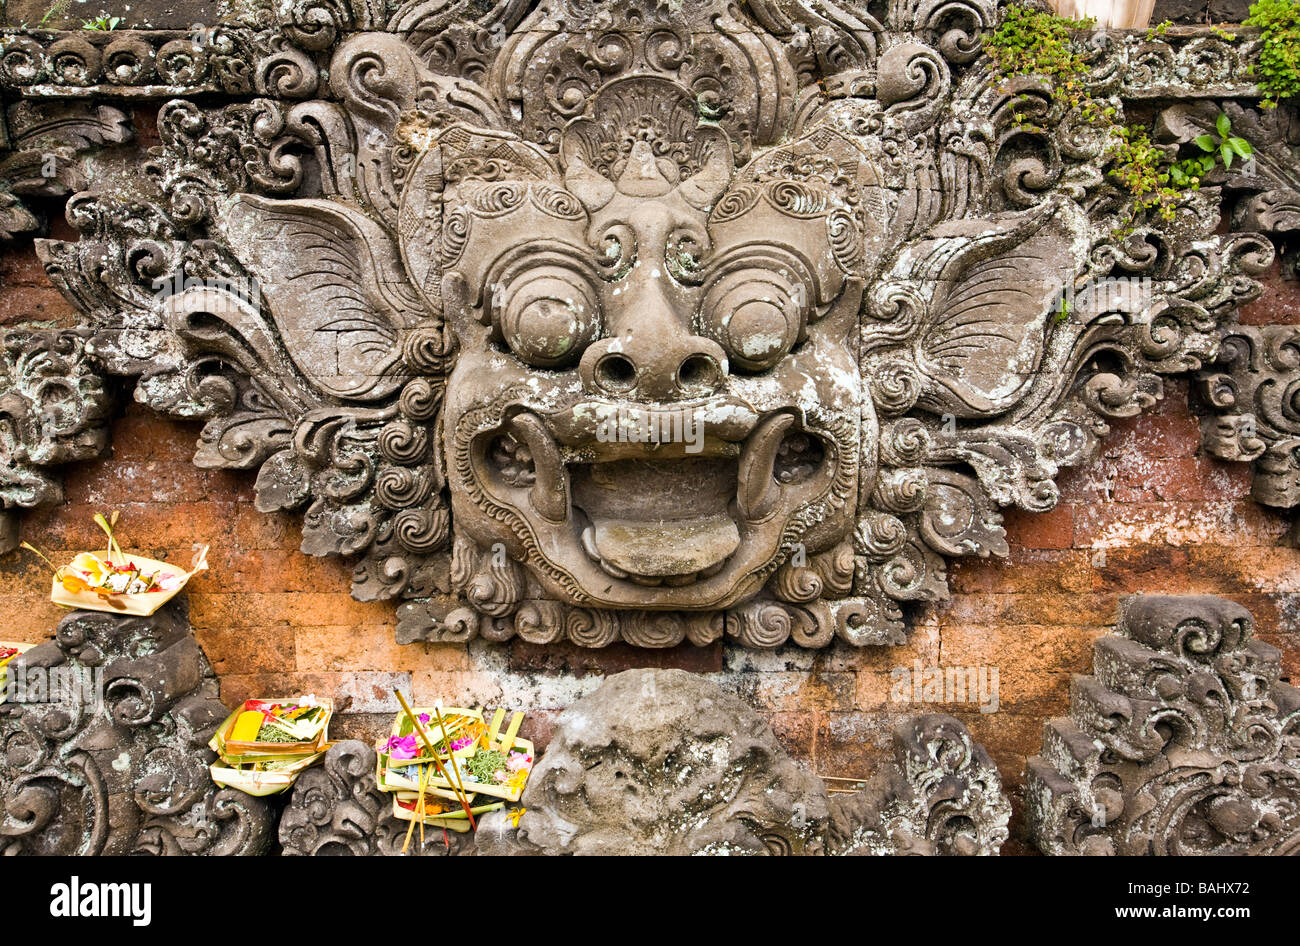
column 616, row 374
column 699, row 374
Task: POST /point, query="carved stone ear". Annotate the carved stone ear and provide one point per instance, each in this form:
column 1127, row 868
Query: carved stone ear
column 993, row 284
column 335, row 287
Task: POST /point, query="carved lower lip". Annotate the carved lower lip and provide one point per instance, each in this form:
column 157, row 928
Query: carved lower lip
column 653, row 547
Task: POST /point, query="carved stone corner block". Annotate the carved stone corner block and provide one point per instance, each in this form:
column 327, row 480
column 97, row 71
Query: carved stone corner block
column 943, row 795
column 1182, row 742
column 41, row 154
column 105, row 734
column 54, row 409
column 744, row 333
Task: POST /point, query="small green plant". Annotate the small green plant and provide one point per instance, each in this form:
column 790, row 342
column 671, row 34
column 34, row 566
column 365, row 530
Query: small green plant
column 1223, row 34
column 1136, row 166
column 102, row 23
column 55, row 12
column 1278, row 69
column 1159, row 29
column 1031, row 42
column 1223, row 146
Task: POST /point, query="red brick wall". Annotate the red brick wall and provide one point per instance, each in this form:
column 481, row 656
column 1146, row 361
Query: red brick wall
column 1150, row 514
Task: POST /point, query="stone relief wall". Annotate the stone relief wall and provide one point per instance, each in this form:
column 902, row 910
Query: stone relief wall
column 953, row 458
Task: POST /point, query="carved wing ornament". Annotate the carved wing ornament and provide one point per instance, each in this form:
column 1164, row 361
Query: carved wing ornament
column 708, row 319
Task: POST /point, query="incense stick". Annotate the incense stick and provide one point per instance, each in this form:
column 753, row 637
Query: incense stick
column 437, row 711
column 419, row 729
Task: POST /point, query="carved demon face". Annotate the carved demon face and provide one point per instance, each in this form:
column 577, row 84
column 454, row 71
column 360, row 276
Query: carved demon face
column 668, row 329
column 654, row 384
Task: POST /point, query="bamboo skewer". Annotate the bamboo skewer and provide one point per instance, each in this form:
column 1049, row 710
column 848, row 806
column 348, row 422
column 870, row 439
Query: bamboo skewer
column 419, row 729
column 437, row 710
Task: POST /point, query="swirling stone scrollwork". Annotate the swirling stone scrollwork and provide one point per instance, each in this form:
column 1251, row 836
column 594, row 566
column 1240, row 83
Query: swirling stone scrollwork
column 105, row 737
column 53, row 410
column 664, row 762
column 1182, row 742
column 1253, row 391
column 653, row 322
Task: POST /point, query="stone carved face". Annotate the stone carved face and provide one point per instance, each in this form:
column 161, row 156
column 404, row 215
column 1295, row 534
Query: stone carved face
column 653, row 388
column 655, row 331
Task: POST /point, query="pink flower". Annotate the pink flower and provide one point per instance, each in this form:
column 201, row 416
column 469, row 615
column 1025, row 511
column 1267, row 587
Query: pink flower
column 517, row 761
column 461, row 743
column 401, row 747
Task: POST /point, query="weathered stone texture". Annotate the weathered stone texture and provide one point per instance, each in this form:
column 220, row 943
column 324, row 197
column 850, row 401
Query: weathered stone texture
column 104, row 745
column 1183, row 742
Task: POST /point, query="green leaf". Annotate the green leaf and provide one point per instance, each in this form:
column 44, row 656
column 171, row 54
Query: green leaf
column 1227, row 156
column 1223, row 125
column 1205, row 142
column 1241, row 146
column 1207, row 163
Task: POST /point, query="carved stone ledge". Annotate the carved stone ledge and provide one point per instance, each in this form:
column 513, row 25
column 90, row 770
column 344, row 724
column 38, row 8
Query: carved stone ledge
column 664, row 762
column 1183, row 741
column 104, row 741
column 53, row 410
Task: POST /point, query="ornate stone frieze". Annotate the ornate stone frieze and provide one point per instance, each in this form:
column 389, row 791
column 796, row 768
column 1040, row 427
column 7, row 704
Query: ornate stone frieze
column 1249, row 389
column 651, row 322
column 664, row 762
column 105, row 734
column 1182, row 742
column 53, row 410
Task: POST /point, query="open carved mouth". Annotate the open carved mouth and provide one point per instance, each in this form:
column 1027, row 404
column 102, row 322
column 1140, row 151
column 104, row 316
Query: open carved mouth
column 656, row 497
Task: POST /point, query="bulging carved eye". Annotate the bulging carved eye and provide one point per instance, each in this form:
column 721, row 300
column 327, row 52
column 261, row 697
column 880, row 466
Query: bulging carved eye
column 756, row 315
column 547, row 316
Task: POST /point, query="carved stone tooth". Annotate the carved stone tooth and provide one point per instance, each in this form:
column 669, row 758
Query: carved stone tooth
column 549, row 494
column 612, row 570
column 589, row 543
column 756, row 490
column 712, row 569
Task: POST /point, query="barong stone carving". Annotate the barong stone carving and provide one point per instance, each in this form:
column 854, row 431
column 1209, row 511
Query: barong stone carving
column 647, row 322
column 1182, row 742
column 104, row 737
